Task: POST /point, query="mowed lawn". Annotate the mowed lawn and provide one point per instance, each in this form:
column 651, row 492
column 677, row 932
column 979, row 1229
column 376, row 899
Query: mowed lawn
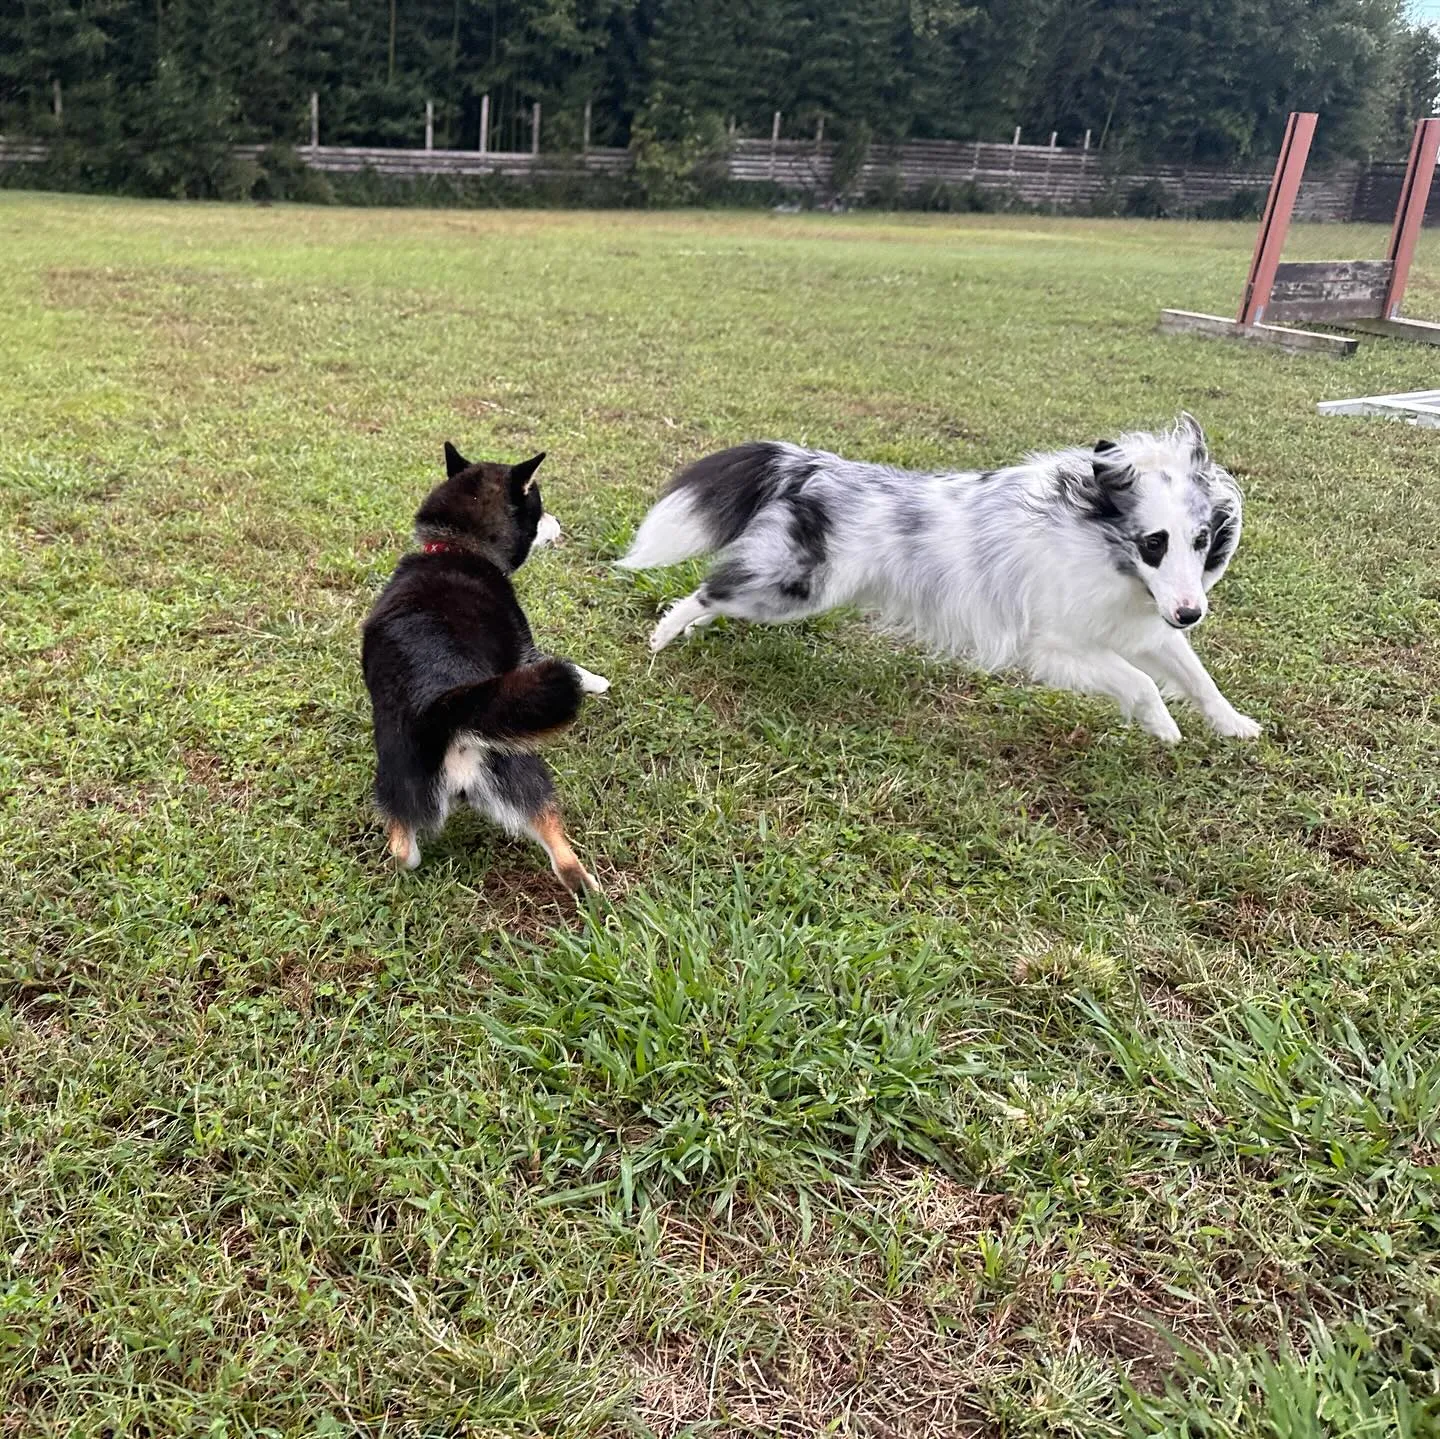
column 946, row 1058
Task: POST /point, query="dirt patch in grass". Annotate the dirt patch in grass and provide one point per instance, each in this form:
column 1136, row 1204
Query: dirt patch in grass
column 1301, row 918
column 1414, row 665
column 808, row 1364
column 898, row 1378
column 218, row 777
column 894, row 409
column 80, row 287
column 830, row 1350
column 137, row 800
column 1342, row 845
column 528, row 903
column 164, row 298
column 1167, row 1001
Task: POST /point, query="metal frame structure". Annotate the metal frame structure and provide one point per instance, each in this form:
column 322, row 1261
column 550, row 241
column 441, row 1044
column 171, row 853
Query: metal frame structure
column 1419, row 407
column 1362, row 295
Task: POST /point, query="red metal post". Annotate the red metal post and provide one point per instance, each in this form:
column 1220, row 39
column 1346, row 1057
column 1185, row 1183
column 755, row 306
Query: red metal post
column 1410, row 212
column 1289, row 167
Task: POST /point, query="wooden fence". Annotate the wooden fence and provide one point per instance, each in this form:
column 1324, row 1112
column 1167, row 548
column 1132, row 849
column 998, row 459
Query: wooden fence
column 518, row 164
column 1061, row 178
column 1377, row 192
column 21, row 152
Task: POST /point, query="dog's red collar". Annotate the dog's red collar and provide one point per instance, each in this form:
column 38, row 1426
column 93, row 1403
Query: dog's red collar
column 438, row 547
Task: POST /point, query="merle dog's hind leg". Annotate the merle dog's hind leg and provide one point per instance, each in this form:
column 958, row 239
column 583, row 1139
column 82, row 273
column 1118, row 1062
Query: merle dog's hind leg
column 681, row 617
column 517, row 793
column 734, row 591
column 772, row 574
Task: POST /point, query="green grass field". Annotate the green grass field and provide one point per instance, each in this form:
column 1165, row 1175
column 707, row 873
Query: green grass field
column 947, row 1058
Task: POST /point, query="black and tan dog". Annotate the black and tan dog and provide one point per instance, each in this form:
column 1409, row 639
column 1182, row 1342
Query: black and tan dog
column 460, row 694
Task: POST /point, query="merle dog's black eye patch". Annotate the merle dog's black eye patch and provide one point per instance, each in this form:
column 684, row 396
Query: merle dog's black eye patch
column 1152, row 547
column 1202, row 540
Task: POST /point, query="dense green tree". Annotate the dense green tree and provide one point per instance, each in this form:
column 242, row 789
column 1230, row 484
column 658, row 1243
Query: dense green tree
column 1206, row 80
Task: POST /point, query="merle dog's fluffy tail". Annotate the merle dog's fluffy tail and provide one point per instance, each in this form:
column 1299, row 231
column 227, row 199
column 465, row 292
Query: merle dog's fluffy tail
column 709, row 503
column 518, row 710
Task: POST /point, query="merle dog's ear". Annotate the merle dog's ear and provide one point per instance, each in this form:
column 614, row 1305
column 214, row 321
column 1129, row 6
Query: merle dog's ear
column 522, row 476
column 1189, row 431
column 454, row 461
column 1111, row 468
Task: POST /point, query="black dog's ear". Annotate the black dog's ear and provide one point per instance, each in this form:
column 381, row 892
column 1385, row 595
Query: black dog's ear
column 1111, row 470
column 454, row 461
column 522, row 476
column 1187, row 427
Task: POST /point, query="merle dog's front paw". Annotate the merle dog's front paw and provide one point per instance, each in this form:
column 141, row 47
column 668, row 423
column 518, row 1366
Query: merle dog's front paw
column 1233, row 725
column 1162, row 726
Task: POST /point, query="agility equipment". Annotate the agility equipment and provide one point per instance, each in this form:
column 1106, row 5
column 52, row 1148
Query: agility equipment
column 1363, row 295
column 1418, row 407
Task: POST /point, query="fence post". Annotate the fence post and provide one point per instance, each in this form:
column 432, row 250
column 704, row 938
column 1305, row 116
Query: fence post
column 819, row 133
column 585, row 142
column 535, row 128
column 314, row 120
column 1086, row 145
column 484, row 123
column 1410, row 212
column 429, row 124
column 1054, row 135
column 59, row 104
column 774, row 142
column 1016, row 141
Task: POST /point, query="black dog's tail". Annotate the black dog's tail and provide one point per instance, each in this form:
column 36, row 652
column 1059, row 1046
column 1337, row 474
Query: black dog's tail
column 521, row 709
column 515, row 711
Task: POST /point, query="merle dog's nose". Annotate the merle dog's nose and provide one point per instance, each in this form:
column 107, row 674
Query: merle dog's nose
column 1185, row 617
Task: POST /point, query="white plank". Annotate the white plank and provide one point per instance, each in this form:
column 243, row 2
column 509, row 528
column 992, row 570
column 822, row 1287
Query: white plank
column 1417, row 407
column 1218, row 327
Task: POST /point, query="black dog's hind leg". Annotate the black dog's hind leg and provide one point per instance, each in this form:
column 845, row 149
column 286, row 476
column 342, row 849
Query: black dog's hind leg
column 402, row 842
column 518, row 795
column 405, row 790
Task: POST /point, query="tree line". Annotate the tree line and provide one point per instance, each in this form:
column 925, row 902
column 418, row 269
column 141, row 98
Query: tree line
column 1190, row 80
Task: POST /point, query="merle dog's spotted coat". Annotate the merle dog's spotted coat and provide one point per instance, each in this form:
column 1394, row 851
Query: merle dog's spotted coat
column 1082, row 568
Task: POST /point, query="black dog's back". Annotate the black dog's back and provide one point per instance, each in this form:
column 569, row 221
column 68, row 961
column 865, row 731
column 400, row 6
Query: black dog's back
column 447, row 651
column 458, row 690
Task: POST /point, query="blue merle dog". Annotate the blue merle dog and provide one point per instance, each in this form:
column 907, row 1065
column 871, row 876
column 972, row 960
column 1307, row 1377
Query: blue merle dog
column 1084, row 568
